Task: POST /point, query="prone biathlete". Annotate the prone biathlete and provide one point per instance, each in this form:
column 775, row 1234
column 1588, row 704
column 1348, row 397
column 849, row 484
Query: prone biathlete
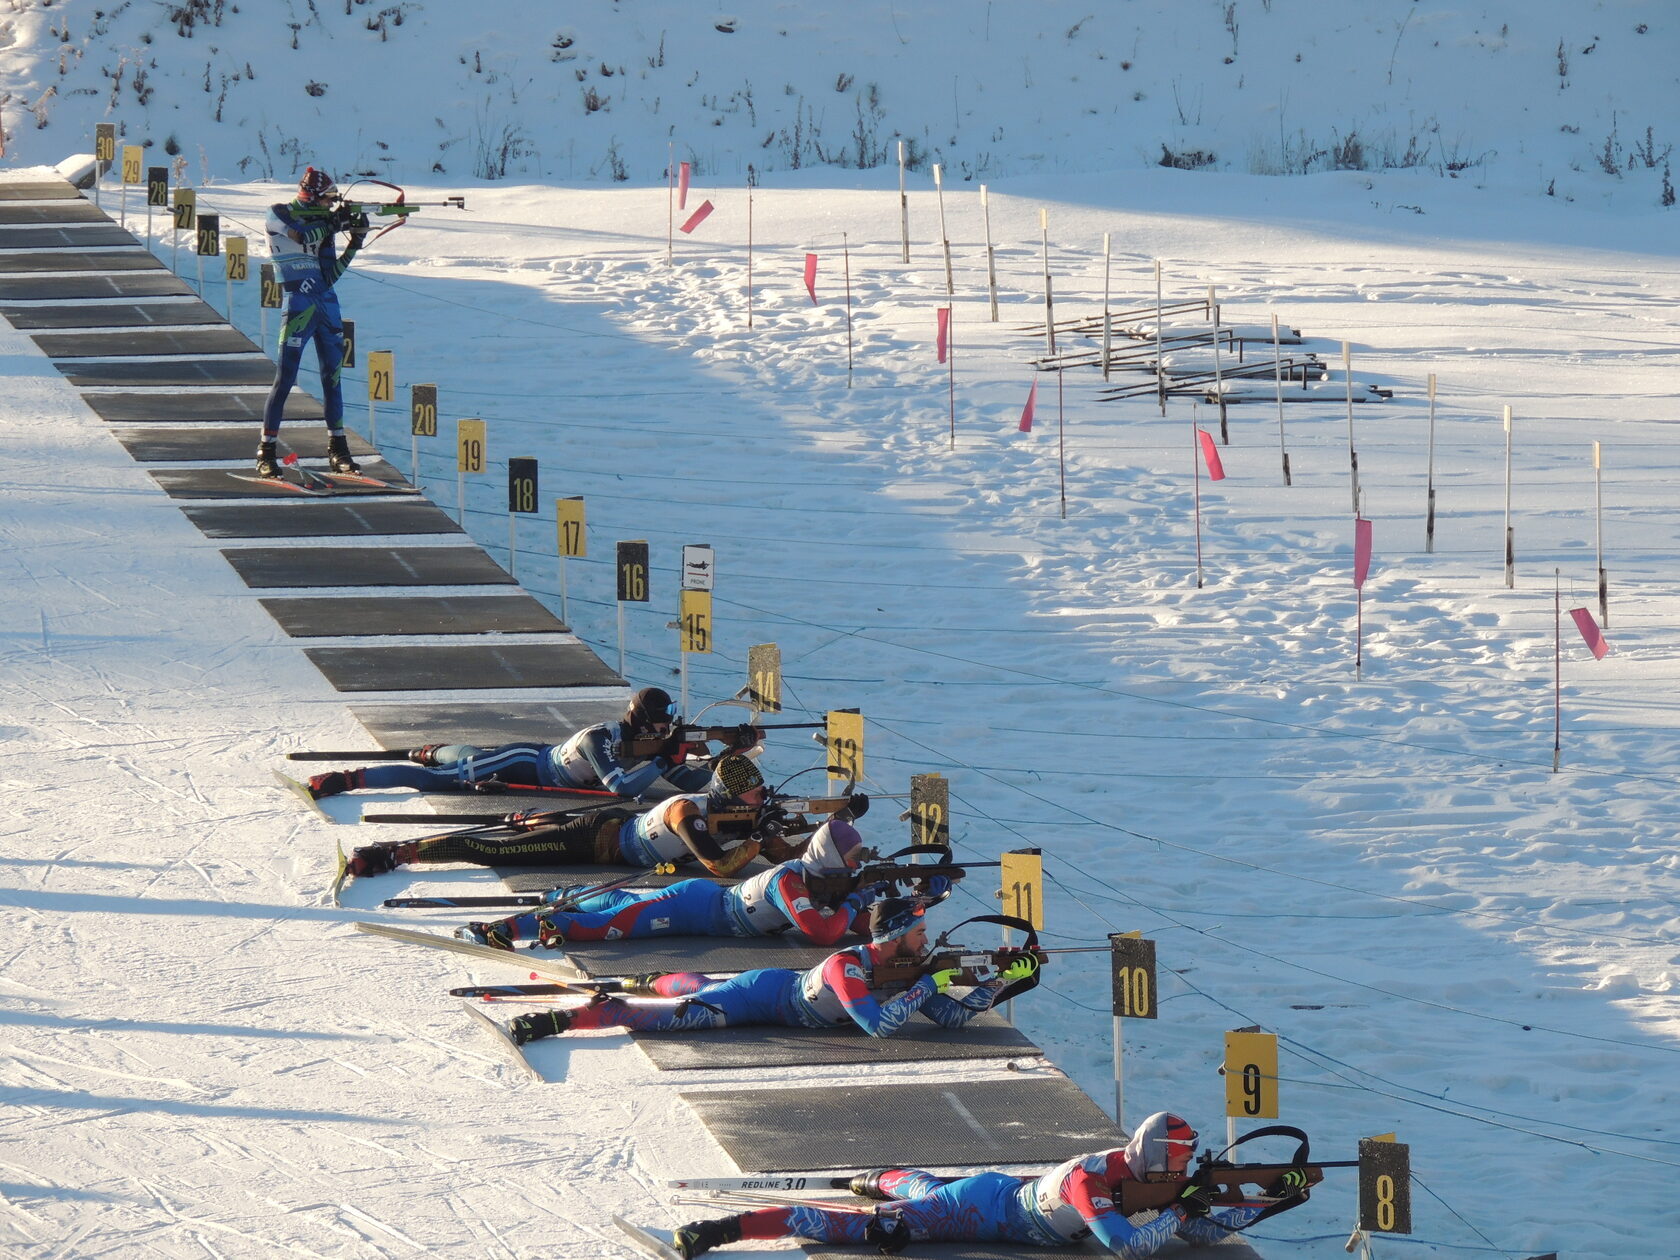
column 723, row 828
column 777, row 900
column 597, row 758
column 1059, row 1209
column 834, row 993
column 300, row 241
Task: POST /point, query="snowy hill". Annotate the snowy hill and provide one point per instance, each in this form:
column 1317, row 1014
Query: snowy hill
column 1566, row 97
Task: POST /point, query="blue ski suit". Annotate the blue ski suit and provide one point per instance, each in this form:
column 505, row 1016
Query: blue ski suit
column 300, row 240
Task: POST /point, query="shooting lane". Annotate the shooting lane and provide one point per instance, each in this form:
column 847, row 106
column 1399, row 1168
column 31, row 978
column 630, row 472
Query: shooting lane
column 80, row 273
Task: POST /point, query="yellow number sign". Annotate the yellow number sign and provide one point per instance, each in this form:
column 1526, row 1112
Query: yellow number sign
column 238, row 258
column 569, row 535
column 764, row 677
column 382, row 375
column 1023, row 885
column 696, row 615
column 133, row 158
column 845, row 745
column 1251, row 1068
column 469, row 446
column 186, row 209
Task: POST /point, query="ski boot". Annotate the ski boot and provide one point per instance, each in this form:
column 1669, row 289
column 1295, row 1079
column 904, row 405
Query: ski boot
column 425, row 755
column 642, row 985
column 867, row 1185
column 338, row 454
column 527, row 1028
column 376, row 859
column 267, row 463
column 333, row 782
column 495, row 935
column 889, row 1233
column 700, row 1237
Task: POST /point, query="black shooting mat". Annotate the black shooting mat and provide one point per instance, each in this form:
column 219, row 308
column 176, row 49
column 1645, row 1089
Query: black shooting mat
column 155, row 444
column 79, row 260
column 227, row 371
column 65, row 211
column 103, row 345
column 111, row 315
column 74, row 236
column 38, row 190
column 321, row 518
column 203, row 408
column 333, row 617
column 366, row 566
column 126, row 284
column 242, row 483
column 486, row 725
column 1034, row 1120
column 920, row 1040
column 454, row 666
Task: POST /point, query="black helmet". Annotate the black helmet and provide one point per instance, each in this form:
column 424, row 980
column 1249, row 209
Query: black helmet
column 735, row 774
column 650, row 707
column 893, row 917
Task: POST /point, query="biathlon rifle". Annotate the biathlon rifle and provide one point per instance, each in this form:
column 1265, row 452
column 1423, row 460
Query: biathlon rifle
column 874, row 869
column 977, row 966
column 744, row 735
column 346, row 210
column 1275, row 1187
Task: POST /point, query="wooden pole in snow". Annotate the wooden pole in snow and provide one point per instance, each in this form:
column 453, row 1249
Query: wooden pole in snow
column 1049, row 302
column 1510, row 535
column 1598, row 537
column 991, row 254
column 1429, row 525
column 944, row 236
column 903, row 206
column 1353, row 455
column 1277, row 381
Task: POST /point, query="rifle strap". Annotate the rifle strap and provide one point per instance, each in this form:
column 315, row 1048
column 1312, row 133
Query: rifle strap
column 1302, row 1156
column 1018, row 987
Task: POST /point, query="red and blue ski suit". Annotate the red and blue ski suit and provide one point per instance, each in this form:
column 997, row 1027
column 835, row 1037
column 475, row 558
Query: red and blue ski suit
column 834, row 993
column 1059, row 1209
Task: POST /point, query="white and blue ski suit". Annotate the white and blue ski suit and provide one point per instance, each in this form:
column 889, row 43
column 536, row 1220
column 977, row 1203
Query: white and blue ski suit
column 300, row 241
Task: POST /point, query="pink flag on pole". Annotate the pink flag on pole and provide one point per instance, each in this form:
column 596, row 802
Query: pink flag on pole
column 682, row 186
column 1027, row 411
column 1210, row 453
column 1590, row 632
column 811, row 277
column 942, row 342
column 1361, row 551
column 697, row 218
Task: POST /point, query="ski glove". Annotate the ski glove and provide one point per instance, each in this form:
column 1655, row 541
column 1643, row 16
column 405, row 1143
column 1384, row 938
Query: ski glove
column 1196, row 1200
column 857, row 804
column 1294, row 1179
column 944, row 979
column 1020, row 969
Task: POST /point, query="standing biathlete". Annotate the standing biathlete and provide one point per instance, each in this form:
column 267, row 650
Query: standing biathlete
column 776, row 900
column 1060, row 1209
column 834, row 993
column 300, row 241
column 597, row 758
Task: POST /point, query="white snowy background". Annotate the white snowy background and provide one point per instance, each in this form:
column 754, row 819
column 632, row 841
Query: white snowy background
column 1454, row 942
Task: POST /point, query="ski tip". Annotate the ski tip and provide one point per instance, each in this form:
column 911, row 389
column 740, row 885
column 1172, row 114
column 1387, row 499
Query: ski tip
column 646, row 1241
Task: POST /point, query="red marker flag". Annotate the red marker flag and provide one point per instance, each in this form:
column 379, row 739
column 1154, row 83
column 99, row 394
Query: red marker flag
column 1361, row 551
column 1590, row 633
column 1027, row 411
column 811, row 277
column 697, row 218
column 682, row 186
column 1210, row 453
column 943, row 340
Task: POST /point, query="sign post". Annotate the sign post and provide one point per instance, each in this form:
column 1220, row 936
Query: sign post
column 422, row 422
column 1133, row 961
column 764, row 677
column 236, row 268
column 522, row 500
column 272, row 294
column 157, row 194
column 105, row 152
column 694, row 607
column 382, row 386
column 930, row 810
column 186, row 216
column 844, row 740
column 1022, row 895
column 1251, row 1069
column 207, row 242
column 632, row 585
column 133, row 159
column 470, row 443
column 570, row 540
